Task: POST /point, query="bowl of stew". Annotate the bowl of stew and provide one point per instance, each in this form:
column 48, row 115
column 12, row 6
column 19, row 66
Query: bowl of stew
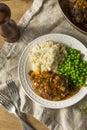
column 75, row 11
column 49, row 70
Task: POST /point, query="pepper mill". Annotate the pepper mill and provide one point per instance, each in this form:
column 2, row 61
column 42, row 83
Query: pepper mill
column 8, row 28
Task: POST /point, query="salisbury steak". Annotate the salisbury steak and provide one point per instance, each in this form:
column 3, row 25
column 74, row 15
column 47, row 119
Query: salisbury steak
column 49, row 85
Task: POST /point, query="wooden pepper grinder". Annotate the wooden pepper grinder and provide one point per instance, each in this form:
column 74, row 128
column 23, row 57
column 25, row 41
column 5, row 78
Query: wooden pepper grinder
column 8, row 28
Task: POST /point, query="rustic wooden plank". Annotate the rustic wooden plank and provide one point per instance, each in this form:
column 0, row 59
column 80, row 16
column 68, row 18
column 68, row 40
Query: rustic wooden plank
column 10, row 122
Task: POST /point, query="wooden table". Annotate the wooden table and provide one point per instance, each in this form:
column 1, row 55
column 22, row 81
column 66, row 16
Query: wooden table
column 9, row 121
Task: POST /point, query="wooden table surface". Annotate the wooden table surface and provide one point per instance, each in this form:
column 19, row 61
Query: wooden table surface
column 9, row 121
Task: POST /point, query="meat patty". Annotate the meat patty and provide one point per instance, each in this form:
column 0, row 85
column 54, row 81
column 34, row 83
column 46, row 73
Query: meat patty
column 49, row 85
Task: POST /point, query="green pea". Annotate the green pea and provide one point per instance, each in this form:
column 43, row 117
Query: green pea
column 74, row 67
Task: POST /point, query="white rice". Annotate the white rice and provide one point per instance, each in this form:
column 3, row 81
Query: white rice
column 46, row 56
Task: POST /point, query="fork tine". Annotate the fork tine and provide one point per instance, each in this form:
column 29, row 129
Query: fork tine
column 15, row 87
column 4, row 101
column 4, row 104
column 12, row 86
column 2, row 97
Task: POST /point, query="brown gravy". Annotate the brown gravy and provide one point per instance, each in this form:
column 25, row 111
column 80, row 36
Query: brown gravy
column 73, row 92
column 52, row 86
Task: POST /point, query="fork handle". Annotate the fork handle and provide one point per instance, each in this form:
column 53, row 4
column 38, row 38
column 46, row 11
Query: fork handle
column 25, row 125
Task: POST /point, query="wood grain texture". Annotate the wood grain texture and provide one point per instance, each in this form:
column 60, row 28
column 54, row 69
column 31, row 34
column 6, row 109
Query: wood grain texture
column 18, row 8
column 9, row 122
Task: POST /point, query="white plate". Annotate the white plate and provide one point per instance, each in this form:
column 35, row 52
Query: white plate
column 23, row 69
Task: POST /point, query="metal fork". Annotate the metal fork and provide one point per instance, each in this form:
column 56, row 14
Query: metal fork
column 14, row 93
column 12, row 109
column 7, row 103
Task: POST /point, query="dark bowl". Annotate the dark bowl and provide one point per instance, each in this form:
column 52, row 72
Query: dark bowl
column 65, row 9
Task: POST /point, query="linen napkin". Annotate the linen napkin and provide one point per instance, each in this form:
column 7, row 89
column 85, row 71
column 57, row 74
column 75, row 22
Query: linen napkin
column 45, row 16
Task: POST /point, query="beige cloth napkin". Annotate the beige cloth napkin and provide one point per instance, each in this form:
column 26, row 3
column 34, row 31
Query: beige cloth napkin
column 44, row 17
